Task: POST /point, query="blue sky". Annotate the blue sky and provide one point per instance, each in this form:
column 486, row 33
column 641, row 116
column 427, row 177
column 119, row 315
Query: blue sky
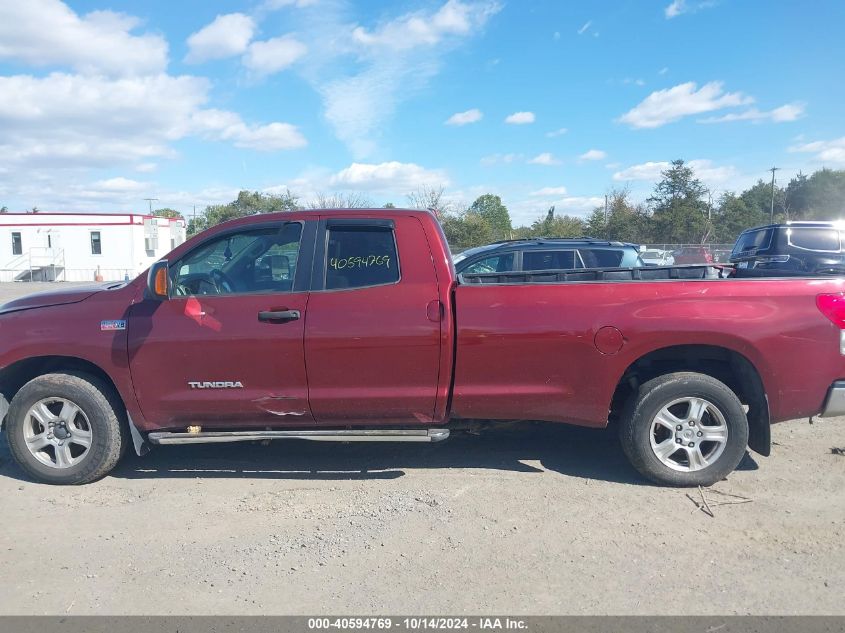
column 106, row 102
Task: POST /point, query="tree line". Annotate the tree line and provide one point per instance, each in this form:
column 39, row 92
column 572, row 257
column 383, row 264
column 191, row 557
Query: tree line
column 680, row 209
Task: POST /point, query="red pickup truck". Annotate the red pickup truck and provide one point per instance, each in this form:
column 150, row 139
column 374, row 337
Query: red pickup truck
column 351, row 325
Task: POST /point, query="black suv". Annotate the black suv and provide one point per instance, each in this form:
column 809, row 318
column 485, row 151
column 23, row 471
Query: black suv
column 547, row 254
column 793, row 248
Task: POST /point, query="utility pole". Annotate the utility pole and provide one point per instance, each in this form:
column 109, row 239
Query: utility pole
column 150, row 201
column 772, row 211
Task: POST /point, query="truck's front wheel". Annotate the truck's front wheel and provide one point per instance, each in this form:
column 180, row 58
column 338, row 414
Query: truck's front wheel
column 684, row 429
column 64, row 429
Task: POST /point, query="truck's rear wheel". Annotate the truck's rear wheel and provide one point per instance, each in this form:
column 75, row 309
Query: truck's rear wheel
column 684, row 429
column 64, row 429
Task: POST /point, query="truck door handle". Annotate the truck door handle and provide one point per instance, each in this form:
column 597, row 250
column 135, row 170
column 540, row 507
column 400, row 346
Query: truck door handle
column 278, row 316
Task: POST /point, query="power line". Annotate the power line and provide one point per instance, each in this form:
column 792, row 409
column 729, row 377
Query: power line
column 150, row 201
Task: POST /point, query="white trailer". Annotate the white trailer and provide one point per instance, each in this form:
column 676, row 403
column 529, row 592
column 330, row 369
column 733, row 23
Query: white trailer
column 83, row 246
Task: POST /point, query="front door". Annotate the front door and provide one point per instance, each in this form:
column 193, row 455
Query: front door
column 226, row 349
column 372, row 335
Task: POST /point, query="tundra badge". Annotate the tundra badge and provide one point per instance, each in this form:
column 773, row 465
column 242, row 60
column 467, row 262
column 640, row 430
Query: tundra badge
column 111, row 326
column 220, row 384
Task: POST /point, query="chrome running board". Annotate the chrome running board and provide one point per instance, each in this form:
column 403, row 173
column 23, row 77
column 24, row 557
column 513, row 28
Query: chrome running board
column 361, row 435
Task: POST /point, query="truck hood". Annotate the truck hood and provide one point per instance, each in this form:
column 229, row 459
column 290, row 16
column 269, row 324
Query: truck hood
column 56, row 297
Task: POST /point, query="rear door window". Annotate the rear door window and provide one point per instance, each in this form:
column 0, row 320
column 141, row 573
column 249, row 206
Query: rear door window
column 814, row 239
column 601, row 258
column 360, row 256
column 549, row 260
column 495, row 264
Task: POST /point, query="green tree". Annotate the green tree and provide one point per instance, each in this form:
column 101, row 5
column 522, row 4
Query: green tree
column 679, row 208
column 247, row 203
column 733, row 216
column 595, row 224
column 466, row 230
column 818, row 197
column 168, row 213
column 758, row 199
column 552, row 226
column 490, row 208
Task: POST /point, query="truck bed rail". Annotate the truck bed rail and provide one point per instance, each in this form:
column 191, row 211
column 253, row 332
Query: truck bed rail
column 643, row 273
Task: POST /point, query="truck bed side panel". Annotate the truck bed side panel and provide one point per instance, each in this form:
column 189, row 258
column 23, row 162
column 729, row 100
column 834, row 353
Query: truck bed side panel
column 528, row 351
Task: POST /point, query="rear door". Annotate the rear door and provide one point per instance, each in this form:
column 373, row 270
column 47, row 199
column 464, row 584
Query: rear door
column 372, row 332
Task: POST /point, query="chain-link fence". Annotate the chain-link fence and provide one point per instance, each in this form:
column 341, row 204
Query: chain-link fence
column 667, row 254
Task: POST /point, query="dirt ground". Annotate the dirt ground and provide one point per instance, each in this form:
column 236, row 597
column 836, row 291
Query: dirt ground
column 528, row 518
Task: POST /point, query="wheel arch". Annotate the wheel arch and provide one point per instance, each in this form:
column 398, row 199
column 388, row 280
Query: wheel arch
column 722, row 363
column 17, row 374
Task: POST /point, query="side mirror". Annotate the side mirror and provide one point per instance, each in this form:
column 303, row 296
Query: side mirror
column 158, row 281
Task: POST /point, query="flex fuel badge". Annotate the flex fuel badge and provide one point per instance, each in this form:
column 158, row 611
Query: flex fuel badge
column 112, row 326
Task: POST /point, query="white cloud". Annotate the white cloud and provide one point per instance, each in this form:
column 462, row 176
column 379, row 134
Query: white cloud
column 785, row 113
column 222, row 125
column 520, row 118
column 48, row 32
column 121, row 184
column 273, row 55
column 578, row 205
column 669, row 105
column 226, row 36
column 546, row 158
column 557, row 132
column 272, row 5
column 663, row 70
column 585, row 27
column 593, row 154
column 549, row 191
column 704, row 170
column 393, row 177
column 364, row 74
column 66, row 121
column 146, row 167
column 455, row 18
column 830, row 152
column 679, row 7
column 506, row 159
column 463, row 118
column 649, row 171
column 674, row 9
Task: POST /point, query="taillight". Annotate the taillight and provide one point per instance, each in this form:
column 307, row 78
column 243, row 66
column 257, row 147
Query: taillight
column 833, row 307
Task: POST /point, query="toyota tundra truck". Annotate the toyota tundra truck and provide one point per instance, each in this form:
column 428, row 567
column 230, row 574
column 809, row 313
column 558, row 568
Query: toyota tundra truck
column 351, row 325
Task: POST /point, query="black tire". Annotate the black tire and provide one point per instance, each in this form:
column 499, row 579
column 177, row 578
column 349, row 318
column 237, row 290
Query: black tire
column 101, row 407
column 636, row 429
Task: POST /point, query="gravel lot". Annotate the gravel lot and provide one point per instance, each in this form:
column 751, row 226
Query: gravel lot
column 526, row 518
